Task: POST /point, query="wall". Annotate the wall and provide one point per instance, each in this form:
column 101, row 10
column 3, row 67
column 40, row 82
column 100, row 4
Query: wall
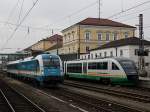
column 71, row 37
column 115, row 52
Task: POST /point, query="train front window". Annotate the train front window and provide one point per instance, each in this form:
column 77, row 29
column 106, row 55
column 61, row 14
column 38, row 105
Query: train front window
column 128, row 65
column 51, row 62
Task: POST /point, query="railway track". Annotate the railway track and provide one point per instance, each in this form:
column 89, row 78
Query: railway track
column 4, row 104
column 13, row 101
column 93, row 104
column 124, row 94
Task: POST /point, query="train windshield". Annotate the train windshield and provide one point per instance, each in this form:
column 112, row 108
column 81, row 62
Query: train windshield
column 128, row 65
column 51, row 62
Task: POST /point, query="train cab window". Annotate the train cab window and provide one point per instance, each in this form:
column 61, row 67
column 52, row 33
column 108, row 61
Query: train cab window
column 114, row 66
column 51, row 62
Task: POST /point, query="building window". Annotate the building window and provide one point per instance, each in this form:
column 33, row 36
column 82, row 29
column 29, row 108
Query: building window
column 87, row 35
column 69, row 36
column 115, row 36
column 73, row 49
column 105, row 54
column 107, row 36
column 111, row 53
column 126, row 34
column 69, row 49
column 100, row 54
column 95, row 55
column 87, row 49
column 73, row 35
column 121, row 52
column 91, row 56
column 99, row 36
column 146, row 64
column 88, row 56
column 136, row 51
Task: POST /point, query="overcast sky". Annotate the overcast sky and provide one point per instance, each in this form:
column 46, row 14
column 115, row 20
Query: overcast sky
column 59, row 14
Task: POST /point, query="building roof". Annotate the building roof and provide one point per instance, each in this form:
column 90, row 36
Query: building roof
column 54, row 38
column 51, row 38
column 122, row 42
column 55, row 47
column 101, row 22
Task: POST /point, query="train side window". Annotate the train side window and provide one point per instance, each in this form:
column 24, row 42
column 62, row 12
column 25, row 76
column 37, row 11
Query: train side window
column 92, row 66
column 98, row 65
column 74, row 68
column 114, row 66
column 105, row 65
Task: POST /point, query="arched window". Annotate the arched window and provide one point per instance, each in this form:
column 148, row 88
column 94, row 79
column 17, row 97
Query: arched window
column 87, row 35
column 99, row 36
column 107, row 36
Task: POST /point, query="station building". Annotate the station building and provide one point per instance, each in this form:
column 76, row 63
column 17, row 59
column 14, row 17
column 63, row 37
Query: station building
column 91, row 33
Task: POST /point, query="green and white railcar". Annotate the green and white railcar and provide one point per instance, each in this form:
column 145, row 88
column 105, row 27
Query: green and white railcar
column 107, row 70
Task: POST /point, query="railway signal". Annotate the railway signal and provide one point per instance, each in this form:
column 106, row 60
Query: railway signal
column 141, row 51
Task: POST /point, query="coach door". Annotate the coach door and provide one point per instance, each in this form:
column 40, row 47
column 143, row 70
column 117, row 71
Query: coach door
column 85, row 67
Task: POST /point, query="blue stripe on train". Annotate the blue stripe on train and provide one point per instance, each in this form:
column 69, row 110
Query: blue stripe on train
column 52, row 72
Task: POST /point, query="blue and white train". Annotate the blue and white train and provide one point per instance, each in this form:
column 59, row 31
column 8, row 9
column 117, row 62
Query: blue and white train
column 42, row 69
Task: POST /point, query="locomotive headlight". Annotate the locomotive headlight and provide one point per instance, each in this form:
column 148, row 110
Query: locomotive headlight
column 42, row 71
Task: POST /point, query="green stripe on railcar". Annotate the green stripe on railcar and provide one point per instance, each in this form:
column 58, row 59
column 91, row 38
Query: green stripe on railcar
column 114, row 80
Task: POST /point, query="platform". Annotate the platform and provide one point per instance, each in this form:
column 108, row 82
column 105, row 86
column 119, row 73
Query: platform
column 144, row 82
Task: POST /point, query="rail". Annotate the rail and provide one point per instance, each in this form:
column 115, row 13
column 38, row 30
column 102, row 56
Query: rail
column 16, row 101
column 124, row 94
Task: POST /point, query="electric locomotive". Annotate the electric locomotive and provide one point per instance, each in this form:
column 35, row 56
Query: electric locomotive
column 42, row 69
column 120, row 71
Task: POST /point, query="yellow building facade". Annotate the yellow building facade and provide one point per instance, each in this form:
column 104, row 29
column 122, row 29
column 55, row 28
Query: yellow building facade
column 41, row 45
column 92, row 33
column 47, row 43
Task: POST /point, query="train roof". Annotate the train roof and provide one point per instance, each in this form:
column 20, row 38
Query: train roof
column 109, row 58
column 13, row 62
column 21, row 60
column 32, row 58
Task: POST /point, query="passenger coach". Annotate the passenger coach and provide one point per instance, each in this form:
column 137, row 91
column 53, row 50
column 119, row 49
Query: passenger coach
column 108, row 70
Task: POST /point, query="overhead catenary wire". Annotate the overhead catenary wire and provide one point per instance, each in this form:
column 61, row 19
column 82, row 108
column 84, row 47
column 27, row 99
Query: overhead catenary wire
column 11, row 36
column 131, row 8
column 21, row 10
column 74, row 13
column 12, row 11
column 25, row 26
column 146, row 9
column 133, row 17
